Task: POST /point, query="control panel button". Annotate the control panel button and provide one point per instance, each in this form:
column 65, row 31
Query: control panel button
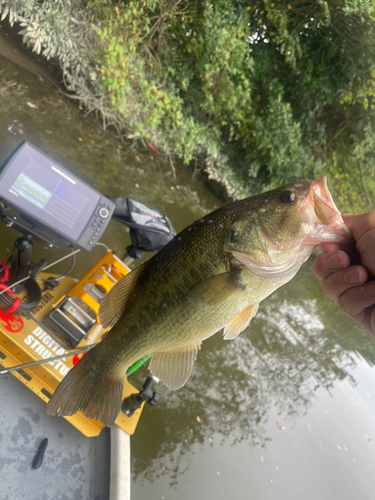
column 104, row 213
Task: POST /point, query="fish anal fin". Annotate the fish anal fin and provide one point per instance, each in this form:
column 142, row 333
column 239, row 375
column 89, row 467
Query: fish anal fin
column 173, row 368
column 240, row 322
column 113, row 304
column 214, row 290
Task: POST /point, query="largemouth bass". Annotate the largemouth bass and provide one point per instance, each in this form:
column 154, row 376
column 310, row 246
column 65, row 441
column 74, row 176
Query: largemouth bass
column 211, row 276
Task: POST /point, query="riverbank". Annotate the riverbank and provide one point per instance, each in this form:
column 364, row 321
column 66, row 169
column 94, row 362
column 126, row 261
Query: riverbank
column 223, row 88
column 12, row 48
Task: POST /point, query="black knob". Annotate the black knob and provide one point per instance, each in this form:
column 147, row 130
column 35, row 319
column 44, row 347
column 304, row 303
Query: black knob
column 155, row 398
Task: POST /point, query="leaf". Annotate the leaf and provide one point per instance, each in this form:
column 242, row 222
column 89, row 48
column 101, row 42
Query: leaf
column 4, row 13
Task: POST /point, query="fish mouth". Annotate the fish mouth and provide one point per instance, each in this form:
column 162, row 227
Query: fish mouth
column 327, row 219
column 324, row 206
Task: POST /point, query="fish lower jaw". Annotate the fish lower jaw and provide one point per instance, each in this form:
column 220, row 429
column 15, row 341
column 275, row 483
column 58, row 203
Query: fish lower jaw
column 335, row 231
column 333, row 234
column 281, row 272
column 343, row 235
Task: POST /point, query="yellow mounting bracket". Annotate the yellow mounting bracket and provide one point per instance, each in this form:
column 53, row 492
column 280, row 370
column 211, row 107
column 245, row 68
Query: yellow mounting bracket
column 22, row 340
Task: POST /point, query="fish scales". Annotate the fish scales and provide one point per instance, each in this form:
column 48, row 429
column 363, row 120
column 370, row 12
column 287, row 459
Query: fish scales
column 164, row 288
column 211, row 276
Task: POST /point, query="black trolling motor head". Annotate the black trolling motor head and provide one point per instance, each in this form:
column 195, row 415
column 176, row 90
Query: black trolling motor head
column 150, row 230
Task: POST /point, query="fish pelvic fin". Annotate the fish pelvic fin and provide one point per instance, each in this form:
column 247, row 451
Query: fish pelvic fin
column 240, row 322
column 113, row 304
column 174, row 368
column 87, row 388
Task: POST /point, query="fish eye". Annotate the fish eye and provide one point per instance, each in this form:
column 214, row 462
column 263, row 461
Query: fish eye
column 287, row 197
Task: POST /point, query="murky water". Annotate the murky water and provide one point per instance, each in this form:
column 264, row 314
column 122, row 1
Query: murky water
column 287, row 410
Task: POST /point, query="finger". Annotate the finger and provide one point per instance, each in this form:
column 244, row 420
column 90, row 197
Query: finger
column 331, row 247
column 360, row 224
column 338, row 283
column 349, row 248
column 363, row 229
column 365, row 246
column 366, row 318
column 369, row 321
column 355, row 301
column 327, row 263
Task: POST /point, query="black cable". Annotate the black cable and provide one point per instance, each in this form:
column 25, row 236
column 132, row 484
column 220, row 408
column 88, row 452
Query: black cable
column 33, row 292
column 63, row 275
column 34, row 295
column 6, row 300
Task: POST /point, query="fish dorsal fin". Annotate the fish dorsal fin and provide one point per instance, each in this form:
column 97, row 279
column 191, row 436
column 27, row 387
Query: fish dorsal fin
column 174, row 367
column 113, row 304
column 240, row 322
column 216, row 289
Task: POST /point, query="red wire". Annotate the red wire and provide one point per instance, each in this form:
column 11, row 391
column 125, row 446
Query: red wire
column 5, row 276
column 6, row 287
column 17, row 300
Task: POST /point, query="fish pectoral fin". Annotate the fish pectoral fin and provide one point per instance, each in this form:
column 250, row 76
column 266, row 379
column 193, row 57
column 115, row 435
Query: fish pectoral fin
column 113, row 304
column 216, row 289
column 240, row 322
column 173, row 368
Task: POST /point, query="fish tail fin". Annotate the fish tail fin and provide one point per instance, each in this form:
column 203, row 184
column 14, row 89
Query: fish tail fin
column 89, row 389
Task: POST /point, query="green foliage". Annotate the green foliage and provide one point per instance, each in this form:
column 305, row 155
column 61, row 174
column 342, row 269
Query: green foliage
column 183, row 79
column 186, row 77
column 256, row 94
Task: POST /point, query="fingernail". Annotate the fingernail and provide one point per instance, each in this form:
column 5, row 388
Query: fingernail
column 334, row 261
column 353, row 276
column 369, row 289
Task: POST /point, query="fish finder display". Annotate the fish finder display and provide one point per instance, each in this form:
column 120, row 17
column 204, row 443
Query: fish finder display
column 55, row 194
column 37, row 186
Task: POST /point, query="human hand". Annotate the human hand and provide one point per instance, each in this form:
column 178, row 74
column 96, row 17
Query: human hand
column 348, row 271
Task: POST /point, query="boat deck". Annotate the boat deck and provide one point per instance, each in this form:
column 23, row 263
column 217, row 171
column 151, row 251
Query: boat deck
column 70, row 457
